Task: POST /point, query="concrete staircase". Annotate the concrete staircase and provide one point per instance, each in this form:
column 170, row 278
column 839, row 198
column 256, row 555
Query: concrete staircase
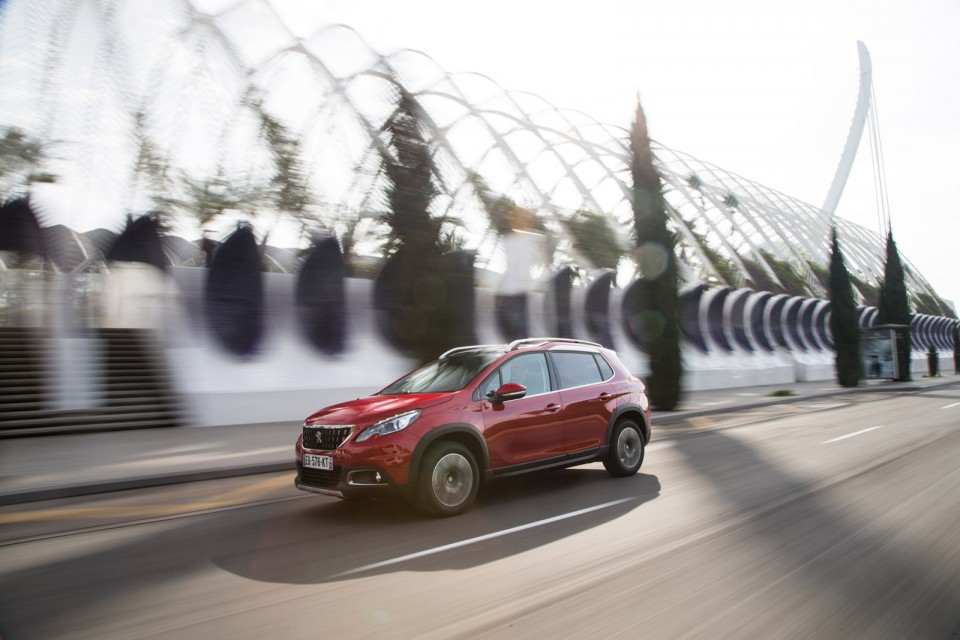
column 132, row 389
column 22, row 373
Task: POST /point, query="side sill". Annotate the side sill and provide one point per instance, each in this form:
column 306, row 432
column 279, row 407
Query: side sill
column 554, row 463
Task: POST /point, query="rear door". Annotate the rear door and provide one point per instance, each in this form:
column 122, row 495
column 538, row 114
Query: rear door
column 588, row 400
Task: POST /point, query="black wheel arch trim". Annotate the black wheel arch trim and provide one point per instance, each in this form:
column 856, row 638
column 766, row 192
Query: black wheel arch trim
column 629, row 408
column 439, row 433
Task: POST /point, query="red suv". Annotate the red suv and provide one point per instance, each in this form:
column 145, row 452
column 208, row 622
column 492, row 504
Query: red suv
column 478, row 413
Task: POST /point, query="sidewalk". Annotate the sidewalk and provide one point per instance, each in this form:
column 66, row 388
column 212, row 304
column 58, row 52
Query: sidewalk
column 56, row 466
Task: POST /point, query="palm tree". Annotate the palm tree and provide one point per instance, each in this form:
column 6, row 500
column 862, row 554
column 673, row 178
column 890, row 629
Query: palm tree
column 289, row 191
column 594, row 239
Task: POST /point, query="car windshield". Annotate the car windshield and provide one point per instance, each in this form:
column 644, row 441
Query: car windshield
column 441, row 376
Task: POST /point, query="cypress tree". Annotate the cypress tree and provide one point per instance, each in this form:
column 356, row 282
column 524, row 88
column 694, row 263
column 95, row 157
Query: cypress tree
column 412, row 287
column 894, row 308
column 844, row 323
column 956, row 347
column 656, row 258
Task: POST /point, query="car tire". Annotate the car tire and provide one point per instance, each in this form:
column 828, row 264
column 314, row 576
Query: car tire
column 448, row 481
column 625, row 454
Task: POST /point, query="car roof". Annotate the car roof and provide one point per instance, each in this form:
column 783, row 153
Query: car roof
column 524, row 342
column 537, row 342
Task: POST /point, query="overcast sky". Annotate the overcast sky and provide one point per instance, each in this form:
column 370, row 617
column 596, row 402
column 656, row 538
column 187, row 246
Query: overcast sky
column 763, row 88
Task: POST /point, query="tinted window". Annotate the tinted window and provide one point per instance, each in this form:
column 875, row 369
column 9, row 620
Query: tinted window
column 530, row 370
column 449, row 374
column 576, row 369
column 606, row 371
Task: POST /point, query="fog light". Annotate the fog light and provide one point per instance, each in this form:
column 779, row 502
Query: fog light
column 365, row 477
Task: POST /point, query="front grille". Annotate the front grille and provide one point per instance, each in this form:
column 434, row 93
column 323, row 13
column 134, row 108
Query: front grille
column 319, row 478
column 325, row 437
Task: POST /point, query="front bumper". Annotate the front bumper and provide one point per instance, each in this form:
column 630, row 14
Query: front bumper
column 346, row 482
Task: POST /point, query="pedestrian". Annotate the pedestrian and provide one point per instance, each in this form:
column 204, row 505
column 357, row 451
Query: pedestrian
column 525, row 249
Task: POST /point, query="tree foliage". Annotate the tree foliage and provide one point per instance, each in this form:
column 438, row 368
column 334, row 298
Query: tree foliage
column 151, row 173
column 792, row 282
column 414, row 287
column 931, row 304
column 410, row 184
column 956, row 348
column 844, row 322
column 759, row 277
column 22, row 159
column 656, row 259
column 500, row 210
column 821, row 273
column 207, row 199
column 870, row 293
column 288, row 191
column 497, row 207
column 894, row 305
column 594, row 239
column 726, row 271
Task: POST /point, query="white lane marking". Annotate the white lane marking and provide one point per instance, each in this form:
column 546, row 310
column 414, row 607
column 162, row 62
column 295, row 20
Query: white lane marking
column 850, row 435
column 489, row 536
column 951, row 406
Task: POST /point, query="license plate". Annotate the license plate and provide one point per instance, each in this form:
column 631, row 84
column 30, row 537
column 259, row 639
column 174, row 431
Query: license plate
column 313, row 461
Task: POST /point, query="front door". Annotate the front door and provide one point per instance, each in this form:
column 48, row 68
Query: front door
column 530, row 428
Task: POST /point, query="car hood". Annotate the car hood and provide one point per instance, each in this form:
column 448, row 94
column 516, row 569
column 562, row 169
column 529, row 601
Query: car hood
column 375, row 408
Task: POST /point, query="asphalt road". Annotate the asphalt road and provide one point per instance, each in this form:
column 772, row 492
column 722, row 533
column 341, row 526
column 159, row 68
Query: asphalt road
column 839, row 519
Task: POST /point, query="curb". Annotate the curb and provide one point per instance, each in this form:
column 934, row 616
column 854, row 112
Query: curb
column 665, row 419
column 143, row 482
column 673, row 417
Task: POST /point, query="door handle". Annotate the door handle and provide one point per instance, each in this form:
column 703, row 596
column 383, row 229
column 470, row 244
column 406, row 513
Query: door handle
column 604, row 396
column 552, row 408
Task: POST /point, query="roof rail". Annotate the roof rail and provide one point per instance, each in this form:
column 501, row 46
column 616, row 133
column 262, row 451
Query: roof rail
column 449, row 353
column 516, row 344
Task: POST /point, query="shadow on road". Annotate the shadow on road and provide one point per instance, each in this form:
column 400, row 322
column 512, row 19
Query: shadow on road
column 297, row 542
column 856, row 566
column 320, row 542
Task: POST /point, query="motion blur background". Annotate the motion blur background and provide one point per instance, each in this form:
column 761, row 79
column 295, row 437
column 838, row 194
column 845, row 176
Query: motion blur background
column 216, row 114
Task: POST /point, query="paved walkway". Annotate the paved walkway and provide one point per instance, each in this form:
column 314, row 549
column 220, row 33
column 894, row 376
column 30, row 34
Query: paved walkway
column 45, row 467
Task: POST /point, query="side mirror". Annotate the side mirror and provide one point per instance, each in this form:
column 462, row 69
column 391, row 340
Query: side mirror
column 509, row 391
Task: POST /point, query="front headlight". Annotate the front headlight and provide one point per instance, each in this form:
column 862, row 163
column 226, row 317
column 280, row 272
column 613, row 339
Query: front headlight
column 390, row 425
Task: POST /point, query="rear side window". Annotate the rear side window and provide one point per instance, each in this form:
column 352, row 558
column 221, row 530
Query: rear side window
column 576, row 369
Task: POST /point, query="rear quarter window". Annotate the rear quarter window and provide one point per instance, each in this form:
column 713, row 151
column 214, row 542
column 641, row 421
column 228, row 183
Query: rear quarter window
column 606, row 371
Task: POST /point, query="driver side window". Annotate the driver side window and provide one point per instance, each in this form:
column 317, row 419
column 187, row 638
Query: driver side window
column 530, row 370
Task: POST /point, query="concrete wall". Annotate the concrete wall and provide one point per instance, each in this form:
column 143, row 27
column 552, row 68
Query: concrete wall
column 745, row 339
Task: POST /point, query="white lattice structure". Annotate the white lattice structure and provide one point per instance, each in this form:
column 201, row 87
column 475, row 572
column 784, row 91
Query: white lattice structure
column 96, row 79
